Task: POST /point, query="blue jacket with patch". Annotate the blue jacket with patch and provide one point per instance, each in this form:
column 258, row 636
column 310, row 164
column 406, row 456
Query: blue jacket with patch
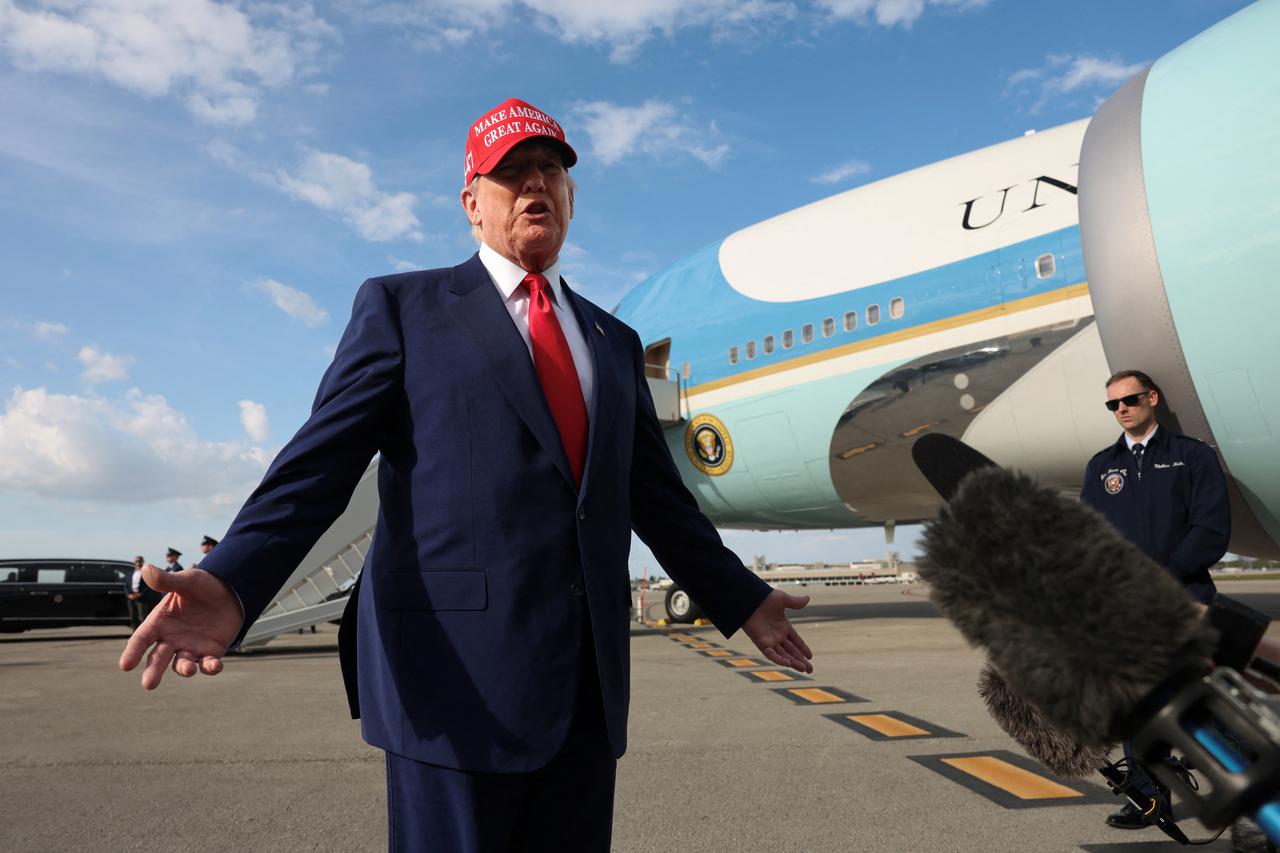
column 1176, row 509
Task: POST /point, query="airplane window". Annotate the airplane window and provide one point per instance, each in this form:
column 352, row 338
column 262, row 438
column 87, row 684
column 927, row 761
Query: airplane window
column 850, row 320
column 733, row 355
column 768, row 344
column 828, row 327
column 751, row 349
column 1045, row 266
column 873, row 314
column 806, row 333
column 788, row 339
column 897, row 307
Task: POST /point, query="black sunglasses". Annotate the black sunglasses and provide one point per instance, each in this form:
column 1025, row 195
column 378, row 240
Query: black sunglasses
column 1129, row 400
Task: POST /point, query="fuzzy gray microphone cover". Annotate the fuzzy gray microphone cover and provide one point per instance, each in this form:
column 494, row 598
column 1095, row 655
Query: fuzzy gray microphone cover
column 1077, row 620
column 1024, row 724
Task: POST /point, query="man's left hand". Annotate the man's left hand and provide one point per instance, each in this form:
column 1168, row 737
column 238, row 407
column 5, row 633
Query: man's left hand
column 773, row 634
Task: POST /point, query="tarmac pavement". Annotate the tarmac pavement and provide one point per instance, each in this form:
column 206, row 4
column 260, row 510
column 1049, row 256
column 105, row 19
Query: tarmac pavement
column 264, row 756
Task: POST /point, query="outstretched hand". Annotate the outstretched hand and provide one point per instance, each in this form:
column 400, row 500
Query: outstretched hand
column 773, row 633
column 191, row 627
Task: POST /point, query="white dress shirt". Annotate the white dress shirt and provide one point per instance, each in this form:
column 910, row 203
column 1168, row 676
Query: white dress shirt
column 1144, row 441
column 506, row 276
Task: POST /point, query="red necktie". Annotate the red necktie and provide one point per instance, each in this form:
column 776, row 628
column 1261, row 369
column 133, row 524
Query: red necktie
column 557, row 374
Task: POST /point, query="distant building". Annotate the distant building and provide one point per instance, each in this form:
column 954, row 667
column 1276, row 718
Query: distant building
column 834, row 574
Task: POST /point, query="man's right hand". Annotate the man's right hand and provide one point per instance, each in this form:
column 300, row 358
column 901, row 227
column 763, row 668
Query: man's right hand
column 191, row 627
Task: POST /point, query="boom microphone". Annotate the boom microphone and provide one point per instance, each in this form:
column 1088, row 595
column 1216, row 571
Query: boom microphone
column 1053, row 592
column 1047, row 586
column 1022, row 722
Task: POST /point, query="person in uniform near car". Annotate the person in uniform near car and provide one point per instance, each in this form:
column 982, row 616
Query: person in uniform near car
column 206, row 545
column 141, row 597
column 133, row 584
column 1165, row 493
column 171, row 560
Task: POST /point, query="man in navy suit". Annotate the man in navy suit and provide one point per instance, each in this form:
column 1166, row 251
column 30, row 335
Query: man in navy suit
column 519, row 449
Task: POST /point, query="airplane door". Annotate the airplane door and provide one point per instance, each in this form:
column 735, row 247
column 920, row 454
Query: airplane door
column 1023, row 268
column 774, row 459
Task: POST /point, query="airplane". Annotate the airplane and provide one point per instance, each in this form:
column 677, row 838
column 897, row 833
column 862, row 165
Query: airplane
column 988, row 297
column 795, row 361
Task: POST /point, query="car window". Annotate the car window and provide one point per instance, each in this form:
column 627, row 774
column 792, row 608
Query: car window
column 51, row 576
column 91, row 574
column 18, row 574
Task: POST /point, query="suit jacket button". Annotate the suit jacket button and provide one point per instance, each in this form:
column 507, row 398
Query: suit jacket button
column 582, row 514
column 575, row 588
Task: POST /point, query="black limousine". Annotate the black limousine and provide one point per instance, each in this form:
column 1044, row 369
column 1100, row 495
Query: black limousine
column 46, row 593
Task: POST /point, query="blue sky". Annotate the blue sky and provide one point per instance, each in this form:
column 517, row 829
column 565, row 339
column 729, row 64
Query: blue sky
column 192, row 190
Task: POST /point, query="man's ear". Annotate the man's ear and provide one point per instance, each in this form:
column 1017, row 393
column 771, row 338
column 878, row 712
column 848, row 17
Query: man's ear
column 470, row 205
column 571, row 199
column 1154, row 397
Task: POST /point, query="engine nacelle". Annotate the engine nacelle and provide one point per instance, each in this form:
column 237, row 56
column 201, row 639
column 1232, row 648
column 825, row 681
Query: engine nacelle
column 1180, row 223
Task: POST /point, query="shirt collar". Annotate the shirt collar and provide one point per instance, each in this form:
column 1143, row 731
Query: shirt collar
column 1144, row 441
column 507, row 275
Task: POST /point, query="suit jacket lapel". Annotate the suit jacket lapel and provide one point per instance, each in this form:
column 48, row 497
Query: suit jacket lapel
column 478, row 309
column 604, row 364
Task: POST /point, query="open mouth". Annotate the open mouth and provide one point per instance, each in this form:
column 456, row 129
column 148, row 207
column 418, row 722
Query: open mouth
column 537, row 208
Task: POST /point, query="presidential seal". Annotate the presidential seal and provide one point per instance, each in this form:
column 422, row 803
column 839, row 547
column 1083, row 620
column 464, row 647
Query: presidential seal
column 1113, row 483
column 708, row 444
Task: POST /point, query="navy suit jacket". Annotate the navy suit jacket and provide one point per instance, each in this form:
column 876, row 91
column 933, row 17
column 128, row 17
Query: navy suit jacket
column 486, row 557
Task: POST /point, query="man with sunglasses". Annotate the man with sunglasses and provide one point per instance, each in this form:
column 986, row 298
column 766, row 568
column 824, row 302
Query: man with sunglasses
column 1166, row 494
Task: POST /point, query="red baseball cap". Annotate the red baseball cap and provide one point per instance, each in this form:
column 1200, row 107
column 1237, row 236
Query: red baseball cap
column 506, row 126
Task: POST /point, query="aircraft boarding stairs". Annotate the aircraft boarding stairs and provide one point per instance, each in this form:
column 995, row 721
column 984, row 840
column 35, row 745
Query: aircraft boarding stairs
column 318, row 589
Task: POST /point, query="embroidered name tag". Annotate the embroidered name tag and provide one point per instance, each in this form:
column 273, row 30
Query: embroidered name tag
column 1165, row 465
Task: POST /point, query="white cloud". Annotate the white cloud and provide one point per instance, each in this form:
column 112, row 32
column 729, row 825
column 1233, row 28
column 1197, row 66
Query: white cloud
column 253, row 417
column 337, row 184
column 50, row 331
column 133, row 449
column 401, row 265
column 296, row 303
column 102, row 366
column 625, row 27
column 891, row 13
column 1066, row 77
column 655, row 128
column 843, row 172
column 218, row 57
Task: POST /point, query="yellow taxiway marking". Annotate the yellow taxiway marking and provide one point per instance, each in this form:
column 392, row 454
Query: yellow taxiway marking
column 888, row 726
column 772, row 675
column 742, row 662
column 702, row 645
column 815, row 695
column 1021, row 783
column 720, row 653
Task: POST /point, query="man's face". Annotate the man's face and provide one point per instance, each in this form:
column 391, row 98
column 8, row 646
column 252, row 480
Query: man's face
column 524, row 205
column 1137, row 419
column 205, row 547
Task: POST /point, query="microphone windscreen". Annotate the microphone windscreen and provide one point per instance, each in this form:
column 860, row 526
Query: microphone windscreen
column 1078, row 621
column 1022, row 722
